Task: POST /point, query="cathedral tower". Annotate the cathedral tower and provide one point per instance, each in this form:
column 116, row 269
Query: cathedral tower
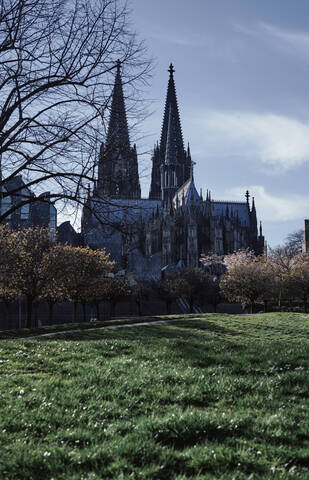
column 170, row 157
column 118, row 168
column 168, row 168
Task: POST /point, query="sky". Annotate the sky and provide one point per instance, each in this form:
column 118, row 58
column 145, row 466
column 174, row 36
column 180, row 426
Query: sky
column 242, row 81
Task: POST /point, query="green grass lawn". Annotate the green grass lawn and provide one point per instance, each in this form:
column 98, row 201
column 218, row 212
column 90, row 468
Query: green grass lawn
column 209, row 397
column 64, row 327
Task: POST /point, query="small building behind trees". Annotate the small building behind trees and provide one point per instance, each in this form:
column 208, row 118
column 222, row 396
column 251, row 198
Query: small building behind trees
column 305, row 246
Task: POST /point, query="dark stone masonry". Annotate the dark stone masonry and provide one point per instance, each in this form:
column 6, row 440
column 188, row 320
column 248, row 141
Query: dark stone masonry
column 176, row 224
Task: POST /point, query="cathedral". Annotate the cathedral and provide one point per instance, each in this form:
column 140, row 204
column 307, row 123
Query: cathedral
column 176, row 224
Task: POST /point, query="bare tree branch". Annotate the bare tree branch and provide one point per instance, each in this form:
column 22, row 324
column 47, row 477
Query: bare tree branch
column 57, row 61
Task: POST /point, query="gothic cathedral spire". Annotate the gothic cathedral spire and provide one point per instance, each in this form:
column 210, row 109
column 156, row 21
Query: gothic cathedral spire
column 171, row 141
column 171, row 109
column 168, row 168
column 118, row 132
column 118, row 168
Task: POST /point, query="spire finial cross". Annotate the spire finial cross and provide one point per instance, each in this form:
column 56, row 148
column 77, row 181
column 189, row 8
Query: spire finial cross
column 247, row 196
column 118, row 65
column 171, row 69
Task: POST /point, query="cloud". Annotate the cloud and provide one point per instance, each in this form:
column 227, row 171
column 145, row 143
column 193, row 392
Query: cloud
column 274, row 208
column 214, row 46
column 293, row 42
column 298, row 41
column 278, row 141
column 183, row 40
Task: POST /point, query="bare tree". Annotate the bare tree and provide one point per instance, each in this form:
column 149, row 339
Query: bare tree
column 281, row 260
column 294, row 242
column 57, row 61
column 291, row 246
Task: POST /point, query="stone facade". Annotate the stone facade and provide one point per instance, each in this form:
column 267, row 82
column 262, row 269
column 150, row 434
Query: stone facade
column 305, row 247
column 38, row 212
column 175, row 225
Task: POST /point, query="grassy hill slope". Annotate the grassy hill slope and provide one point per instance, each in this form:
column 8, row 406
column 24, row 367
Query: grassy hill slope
column 210, row 397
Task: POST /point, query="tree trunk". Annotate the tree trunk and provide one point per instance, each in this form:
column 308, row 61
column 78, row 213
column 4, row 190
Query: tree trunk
column 75, row 305
column 112, row 305
column 50, row 312
column 29, row 311
column 36, row 321
column 84, row 311
column 265, row 306
column 251, row 307
column 97, row 306
column 168, row 307
column 139, row 307
column 305, row 303
column 8, row 313
column 191, row 304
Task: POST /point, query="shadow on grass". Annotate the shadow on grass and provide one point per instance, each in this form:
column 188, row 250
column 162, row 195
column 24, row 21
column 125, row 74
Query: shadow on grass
column 191, row 340
column 182, row 330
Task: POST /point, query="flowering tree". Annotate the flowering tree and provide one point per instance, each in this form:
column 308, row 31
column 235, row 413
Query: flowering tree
column 8, row 291
column 299, row 277
column 53, row 278
column 76, row 274
column 20, row 263
column 281, row 261
column 247, row 278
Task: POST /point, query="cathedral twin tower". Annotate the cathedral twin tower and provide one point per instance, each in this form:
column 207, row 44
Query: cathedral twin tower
column 172, row 164
column 175, row 225
column 118, row 165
